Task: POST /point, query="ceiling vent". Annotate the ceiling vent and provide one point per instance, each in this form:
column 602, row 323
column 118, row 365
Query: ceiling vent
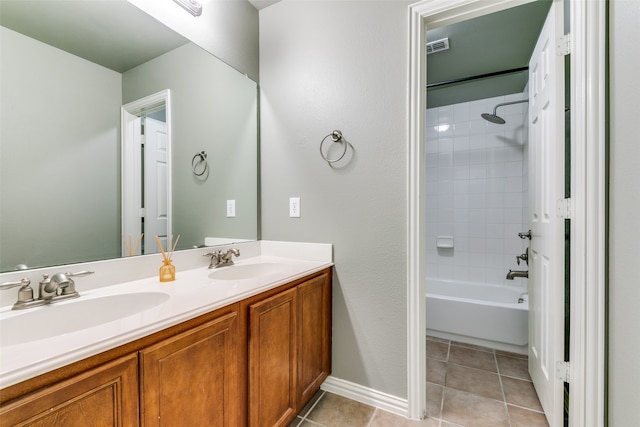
column 437, row 46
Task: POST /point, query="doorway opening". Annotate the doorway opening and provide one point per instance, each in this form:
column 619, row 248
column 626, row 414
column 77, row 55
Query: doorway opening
column 146, row 174
column 484, row 178
column 586, row 314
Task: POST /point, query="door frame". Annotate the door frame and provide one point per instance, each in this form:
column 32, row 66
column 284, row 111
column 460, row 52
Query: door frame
column 131, row 158
column 588, row 95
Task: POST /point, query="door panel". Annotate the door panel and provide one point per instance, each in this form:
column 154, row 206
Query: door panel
column 156, row 181
column 546, row 183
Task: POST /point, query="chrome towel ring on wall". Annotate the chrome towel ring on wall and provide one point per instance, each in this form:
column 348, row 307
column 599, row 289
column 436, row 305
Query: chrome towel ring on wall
column 199, row 164
column 336, row 137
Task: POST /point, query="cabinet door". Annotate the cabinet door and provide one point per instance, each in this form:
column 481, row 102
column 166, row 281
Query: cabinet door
column 105, row 396
column 192, row 379
column 272, row 356
column 314, row 340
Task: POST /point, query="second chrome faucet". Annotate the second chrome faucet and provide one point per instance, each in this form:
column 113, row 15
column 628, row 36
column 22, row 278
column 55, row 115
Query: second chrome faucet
column 222, row 259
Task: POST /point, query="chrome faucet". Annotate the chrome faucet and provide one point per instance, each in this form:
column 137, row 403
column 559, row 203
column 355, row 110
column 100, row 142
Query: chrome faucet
column 220, row 259
column 52, row 289
column 517, row 273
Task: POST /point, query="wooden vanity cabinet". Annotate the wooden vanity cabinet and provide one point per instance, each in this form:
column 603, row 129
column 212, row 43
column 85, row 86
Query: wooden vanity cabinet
column 192, row 379
column 314, row 336
column 104, row 396
column 289, row 342
column 256, row 363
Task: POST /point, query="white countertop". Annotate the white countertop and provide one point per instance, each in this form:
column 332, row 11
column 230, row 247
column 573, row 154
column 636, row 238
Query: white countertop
column 193, row 293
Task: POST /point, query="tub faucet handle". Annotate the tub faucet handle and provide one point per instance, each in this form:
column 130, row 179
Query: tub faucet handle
column 523, row 257
column 525, row 235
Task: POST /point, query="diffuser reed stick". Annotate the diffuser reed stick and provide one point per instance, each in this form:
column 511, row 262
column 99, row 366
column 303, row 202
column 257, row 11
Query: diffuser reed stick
column 164, row 256
column 128, row 245
column 167, row 271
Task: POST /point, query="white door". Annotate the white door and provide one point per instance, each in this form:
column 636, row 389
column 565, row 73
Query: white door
column 546, row 184
column 156, row 181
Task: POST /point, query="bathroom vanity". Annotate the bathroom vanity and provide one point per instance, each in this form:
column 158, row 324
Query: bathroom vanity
column 254, row 359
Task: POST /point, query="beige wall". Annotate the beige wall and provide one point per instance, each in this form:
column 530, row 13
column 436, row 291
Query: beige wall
column 51, row 141
column 213, row 109
column 624, row 214
column 328, row 65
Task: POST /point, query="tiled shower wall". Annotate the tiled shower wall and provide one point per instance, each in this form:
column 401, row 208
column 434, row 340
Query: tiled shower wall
column 476, row 190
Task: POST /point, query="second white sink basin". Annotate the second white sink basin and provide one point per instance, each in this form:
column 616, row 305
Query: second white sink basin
column 70, row 316
column 246, row 271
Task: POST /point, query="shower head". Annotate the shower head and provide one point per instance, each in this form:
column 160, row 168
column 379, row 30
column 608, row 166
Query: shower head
column 494, row 118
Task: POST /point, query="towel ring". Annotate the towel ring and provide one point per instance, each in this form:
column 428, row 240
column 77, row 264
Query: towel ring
column 200, row 159
column 336, row 136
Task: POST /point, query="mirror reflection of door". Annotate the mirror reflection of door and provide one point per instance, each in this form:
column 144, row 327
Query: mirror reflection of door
column 154, row 178
column 146, row 188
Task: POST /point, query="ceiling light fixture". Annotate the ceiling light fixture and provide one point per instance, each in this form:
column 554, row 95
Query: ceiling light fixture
column 191, row 6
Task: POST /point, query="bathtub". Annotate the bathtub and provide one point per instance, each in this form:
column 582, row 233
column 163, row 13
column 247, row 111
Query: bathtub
column 481, row 314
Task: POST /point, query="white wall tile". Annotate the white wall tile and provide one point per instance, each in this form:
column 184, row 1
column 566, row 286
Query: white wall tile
column 476, row 190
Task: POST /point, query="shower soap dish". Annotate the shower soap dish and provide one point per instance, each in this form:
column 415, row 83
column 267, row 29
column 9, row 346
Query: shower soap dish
column 445, row 242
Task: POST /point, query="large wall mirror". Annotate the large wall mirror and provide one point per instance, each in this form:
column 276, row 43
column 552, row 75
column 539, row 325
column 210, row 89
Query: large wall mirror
column 67, row 69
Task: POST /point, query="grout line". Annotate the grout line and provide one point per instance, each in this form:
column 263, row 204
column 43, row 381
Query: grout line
column 304, row 417
column 504, row 397
column 525, row 408
column 375, row 411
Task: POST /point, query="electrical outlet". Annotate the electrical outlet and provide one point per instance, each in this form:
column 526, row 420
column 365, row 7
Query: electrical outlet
column 231, row 208
column 294, row 207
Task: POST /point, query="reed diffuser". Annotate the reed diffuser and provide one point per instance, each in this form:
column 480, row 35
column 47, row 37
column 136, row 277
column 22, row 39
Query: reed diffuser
column 168, row 270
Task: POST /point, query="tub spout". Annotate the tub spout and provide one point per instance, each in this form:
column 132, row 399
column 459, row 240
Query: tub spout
column 517, row 273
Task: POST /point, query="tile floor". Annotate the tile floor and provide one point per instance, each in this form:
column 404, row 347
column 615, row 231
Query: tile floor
column 467, row 386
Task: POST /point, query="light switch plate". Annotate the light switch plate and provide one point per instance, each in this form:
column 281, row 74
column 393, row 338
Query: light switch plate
column 231, row 208
column 294, row 207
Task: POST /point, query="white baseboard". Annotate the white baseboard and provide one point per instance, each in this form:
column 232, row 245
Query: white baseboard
column 366, row 395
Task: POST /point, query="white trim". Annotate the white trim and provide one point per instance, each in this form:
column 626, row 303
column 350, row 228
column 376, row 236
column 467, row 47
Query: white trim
column 365, row 395
column 588, row 192
column 588, row 35
column 130, row 158
column 416, row 278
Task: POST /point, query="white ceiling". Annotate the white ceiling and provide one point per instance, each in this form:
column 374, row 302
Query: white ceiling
column 114, row 34
column 261, row 4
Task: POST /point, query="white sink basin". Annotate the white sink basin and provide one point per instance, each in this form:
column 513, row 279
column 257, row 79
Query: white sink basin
column 70, row 316
column 246, row 271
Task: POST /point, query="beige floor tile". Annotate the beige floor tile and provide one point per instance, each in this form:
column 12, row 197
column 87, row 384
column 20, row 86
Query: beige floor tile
column 521, row 417
column 387, row 419
column 472, row 358
column 476, row 381
column 307, row 423
column 434, row 400
column 521, row 393
column 475, row 347
column 312, row 402
column 513, row 367
column 336, row 411
column 511, row 354
column 436, row 371
column 437, row 350
column 296, row 422
column 471, row 410
column 429, row 337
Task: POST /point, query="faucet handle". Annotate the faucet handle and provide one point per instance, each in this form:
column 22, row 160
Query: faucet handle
column 79, row 273
column 213, row 254
column 24, row 282
column 525, row 235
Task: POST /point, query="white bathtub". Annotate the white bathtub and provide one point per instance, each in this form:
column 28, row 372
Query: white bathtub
column 487, row 315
